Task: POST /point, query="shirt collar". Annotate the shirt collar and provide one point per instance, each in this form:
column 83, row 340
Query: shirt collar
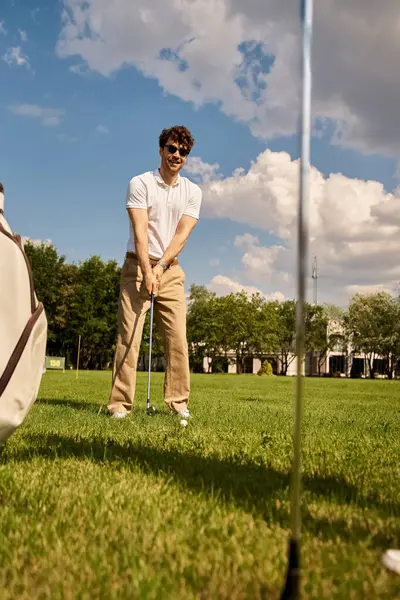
column 161, row 181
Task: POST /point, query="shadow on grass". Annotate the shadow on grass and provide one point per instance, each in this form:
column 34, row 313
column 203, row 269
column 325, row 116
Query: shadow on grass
column 249, row 485
column 337, row 490
column 74, row 404
column 253, row 487
column 347, row 531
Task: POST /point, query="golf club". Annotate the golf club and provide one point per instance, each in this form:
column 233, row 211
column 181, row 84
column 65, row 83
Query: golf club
column 150, row 410
column 292, row 586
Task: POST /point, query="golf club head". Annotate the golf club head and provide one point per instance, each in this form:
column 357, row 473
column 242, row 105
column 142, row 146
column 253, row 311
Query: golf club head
column 291, row 590
column 151, row 411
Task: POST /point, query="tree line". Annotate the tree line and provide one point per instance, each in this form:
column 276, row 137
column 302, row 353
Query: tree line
column 82, row 300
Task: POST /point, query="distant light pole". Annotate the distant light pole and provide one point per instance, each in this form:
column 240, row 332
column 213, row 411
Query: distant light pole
column 315, row 281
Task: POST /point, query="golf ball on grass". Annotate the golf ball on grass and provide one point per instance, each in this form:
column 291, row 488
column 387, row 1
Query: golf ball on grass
column 183, row 423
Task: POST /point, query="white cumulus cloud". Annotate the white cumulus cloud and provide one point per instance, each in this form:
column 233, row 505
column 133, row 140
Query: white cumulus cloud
column 245, row 57
column 354, row 227
column 222, row 286
column 200, row 171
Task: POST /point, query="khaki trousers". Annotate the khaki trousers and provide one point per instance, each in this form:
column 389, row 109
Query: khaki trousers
column 170, row 317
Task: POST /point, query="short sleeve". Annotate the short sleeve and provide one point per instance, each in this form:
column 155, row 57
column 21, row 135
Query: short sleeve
column 194, row 203
column 136, row 195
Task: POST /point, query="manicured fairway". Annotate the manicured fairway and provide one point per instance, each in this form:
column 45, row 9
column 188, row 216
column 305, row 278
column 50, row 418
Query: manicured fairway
column 93, row 508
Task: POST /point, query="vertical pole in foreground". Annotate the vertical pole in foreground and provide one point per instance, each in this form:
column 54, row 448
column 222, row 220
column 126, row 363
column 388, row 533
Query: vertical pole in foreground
column 292, row 586
column 77, row 361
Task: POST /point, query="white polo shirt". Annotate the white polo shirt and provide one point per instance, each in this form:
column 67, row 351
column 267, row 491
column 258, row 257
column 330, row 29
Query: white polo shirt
column 165, row 206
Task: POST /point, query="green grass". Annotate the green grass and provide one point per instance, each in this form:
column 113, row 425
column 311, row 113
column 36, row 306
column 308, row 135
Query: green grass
column 93, row 508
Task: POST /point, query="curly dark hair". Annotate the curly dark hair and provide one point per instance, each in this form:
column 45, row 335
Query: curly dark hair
column 179, row 134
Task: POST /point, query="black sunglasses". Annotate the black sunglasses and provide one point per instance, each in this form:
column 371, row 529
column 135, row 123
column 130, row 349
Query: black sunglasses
column 172, row 149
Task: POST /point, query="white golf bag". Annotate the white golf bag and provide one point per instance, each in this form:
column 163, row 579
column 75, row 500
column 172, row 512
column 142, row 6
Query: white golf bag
column 23, row 332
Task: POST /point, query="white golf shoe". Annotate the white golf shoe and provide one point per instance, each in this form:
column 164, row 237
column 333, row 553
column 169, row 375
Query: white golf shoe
column 119, row 415
column 184, row 414
column 391, row 560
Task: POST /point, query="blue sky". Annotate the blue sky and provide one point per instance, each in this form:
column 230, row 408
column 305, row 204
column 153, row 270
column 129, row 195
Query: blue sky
column 65, row 176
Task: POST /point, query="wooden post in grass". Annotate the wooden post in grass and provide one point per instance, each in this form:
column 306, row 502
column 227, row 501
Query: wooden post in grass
column 77, row 362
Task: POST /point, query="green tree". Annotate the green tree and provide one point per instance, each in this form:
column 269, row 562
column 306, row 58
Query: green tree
column 266, row 332
column 47, row 270
column 93, row 313
column 204, row 325
column 235, row 322
column 247, row 326
column 372, row 322
column 388, row 326
column 65, row 345
column 286, row 334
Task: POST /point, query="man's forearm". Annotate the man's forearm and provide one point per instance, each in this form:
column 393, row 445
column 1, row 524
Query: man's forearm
column 142, row 250
column 140, row 230
column 176, row 246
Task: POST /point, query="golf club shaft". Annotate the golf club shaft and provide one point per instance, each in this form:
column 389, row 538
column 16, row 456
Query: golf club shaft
column 292, row 587
column 302, row 256
column 150, row 348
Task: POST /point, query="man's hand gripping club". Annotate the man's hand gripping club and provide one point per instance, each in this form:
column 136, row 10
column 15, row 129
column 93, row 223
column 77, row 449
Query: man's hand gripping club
column 153, row 279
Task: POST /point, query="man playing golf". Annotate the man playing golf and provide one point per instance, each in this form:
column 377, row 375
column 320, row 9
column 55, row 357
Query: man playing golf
column 163, row 209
